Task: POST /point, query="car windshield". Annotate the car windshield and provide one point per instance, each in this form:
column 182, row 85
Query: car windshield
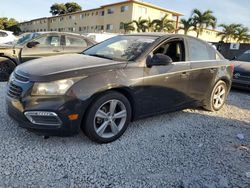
column 244, row 57
column 26, row 38
column 123, row 48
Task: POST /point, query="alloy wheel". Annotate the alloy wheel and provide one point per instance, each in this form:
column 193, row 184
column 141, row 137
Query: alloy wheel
column 110, row 118
column 219, row 96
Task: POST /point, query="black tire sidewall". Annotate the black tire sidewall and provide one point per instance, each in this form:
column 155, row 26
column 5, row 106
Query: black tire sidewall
column 88, row 123
column 10, row 66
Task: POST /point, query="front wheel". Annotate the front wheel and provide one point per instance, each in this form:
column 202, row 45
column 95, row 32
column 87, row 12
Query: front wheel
column 217, row 97
column 107, row 118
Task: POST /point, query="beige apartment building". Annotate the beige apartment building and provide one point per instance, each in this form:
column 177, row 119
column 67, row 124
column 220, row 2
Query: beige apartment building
column 108, row 18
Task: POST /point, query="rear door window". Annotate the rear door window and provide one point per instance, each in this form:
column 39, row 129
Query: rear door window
column 200, row 51
column 75, row 41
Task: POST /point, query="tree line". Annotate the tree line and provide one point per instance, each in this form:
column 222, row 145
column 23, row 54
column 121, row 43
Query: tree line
column 60, row 8
column 198, row 21
column 9, row 24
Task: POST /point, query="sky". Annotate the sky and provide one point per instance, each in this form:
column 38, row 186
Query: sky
column 227, row 11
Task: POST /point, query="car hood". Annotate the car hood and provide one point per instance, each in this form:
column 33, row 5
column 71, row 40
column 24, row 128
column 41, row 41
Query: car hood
column 242, row 66
column 65, row 66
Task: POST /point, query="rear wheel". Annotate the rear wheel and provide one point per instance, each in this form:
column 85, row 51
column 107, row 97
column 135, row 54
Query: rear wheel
column 218, row 96
column 107, row 118
column 6, row 68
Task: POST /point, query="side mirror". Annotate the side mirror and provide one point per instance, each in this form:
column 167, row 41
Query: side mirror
column 159, row 60
column 32, row 44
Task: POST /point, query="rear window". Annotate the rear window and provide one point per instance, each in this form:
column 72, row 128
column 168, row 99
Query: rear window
column 200, row 51
column 3, row 34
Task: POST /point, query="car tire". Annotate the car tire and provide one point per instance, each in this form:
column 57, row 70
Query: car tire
column 6, row 68
column 217, row 97
column 107, row 118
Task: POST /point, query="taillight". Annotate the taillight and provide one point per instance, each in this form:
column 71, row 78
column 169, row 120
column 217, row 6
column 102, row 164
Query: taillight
column 232, row 67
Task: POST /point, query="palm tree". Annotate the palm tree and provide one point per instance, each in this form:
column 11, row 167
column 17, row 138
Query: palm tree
column 128, row 27
column 141, row 24
column 187, row 25
column 203, row 20
column 163, row 24
column 151, row 25
column 228, row 31
column 242, row 34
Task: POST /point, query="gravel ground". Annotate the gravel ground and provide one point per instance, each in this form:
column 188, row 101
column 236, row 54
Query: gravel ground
column 191, row 148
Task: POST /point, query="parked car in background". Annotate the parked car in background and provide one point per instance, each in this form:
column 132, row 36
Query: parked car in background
column 117, row 81
column 100, row 37
column 241, row 78
column 6, row 37
column 36, row 45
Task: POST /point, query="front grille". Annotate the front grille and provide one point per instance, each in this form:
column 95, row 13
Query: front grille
column 20, row 78
column 14, row 91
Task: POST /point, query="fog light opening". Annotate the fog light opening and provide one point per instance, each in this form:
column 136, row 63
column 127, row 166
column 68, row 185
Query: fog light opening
column 43, row 118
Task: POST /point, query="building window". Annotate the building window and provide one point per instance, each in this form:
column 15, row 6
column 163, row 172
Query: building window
column 124, row 8
column 61, row 19
column 142, row 10
column 110, row 11
column 102, row 13
column 96, row 13
column 93, row 13
column 162, row 14
column 81, row 16
column 109, row 27
column 121, row 25
column 71, row 29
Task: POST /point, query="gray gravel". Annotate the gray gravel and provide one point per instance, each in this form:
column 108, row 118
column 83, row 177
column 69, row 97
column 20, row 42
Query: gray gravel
column 191, row 148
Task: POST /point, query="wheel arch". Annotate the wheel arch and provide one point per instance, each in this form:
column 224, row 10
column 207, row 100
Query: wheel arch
column 226, row 80
column 10, row 59
column 125, row 91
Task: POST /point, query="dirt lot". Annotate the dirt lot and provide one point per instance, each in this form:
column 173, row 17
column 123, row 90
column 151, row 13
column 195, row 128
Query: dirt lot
column 191, row 148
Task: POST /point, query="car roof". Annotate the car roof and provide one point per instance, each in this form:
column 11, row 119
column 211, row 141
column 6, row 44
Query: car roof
column 166, row 35
column 48, row 32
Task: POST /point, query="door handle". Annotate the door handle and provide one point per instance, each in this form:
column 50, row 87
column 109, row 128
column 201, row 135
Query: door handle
column 184, row 75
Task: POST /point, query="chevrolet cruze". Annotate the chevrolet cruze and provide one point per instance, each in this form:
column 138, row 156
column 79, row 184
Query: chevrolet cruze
column 115, row 82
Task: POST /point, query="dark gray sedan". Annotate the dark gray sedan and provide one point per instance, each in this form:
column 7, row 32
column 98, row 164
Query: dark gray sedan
column 241, row 78
column 35, row 45
column 115, row 82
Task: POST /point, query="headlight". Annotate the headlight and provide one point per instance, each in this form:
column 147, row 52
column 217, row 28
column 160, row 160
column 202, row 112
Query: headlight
column 59, row 87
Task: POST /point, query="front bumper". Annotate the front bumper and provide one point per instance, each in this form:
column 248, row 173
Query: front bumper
column 60, row 106
column 241, row 84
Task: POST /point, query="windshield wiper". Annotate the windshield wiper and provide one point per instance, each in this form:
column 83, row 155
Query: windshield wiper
column 101, row 56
